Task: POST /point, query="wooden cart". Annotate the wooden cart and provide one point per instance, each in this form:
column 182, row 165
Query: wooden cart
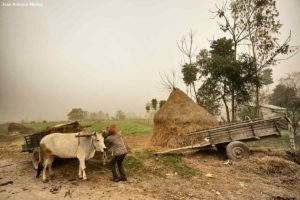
column 231, row 137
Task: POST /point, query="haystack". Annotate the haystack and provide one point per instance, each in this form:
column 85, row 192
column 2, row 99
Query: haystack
column 179, row 116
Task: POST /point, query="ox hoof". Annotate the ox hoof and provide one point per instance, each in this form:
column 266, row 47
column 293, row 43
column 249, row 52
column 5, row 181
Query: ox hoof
column 45, row 181
column 85, row 179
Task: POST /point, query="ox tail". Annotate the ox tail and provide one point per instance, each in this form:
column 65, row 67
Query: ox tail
column 40, row 165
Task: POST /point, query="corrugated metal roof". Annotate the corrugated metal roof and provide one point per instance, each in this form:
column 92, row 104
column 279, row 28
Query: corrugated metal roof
column 272, row 107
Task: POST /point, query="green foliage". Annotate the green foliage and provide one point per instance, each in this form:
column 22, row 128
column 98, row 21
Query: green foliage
column 255, row 22
column 147, row 108
column 284, row 96
column 210, row 97
column 266, row 77
column 189, row 72
column 161, row 103
column 76, row 114
column 246, row 111
column 287, row 95
column 223, row 48
column 154, row 104
column 224, row 77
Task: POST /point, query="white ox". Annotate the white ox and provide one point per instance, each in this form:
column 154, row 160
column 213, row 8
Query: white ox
column 69, row 146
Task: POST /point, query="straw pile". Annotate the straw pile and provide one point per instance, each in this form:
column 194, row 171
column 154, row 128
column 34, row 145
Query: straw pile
column 179, row 116
column 269, row 165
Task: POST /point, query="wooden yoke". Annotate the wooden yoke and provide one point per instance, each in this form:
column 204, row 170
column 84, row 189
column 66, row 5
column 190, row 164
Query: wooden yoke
column 84, row 135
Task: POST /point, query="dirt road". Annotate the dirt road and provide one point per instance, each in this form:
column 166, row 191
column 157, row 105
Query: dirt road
column 265, row 175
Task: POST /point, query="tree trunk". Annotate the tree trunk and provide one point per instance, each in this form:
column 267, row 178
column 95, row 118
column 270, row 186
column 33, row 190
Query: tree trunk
column 257, row 104
column 225, row 103
column 187, row 90
column 196, row 95
column 227, row 109
column 233, row 107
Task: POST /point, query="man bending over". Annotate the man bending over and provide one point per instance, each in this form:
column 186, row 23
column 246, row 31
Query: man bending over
column 115, row 144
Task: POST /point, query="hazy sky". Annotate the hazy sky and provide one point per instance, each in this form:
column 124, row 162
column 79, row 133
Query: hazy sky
column 102, row 54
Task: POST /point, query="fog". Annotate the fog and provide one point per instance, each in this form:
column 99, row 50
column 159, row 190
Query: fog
column 103, row 55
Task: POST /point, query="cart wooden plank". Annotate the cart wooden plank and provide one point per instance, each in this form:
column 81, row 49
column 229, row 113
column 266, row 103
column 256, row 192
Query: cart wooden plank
column 239, row 131
column 235, row 125
column 203, row 145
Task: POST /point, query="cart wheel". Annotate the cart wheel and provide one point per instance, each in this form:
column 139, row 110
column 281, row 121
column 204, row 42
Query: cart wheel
column 237, row 150
column 35, row 158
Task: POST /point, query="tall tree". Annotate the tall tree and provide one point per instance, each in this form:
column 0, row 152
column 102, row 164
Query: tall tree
column 225, row 78
column 255, row 23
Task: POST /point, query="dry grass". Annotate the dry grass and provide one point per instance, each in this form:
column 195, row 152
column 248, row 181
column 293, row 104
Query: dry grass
column 179, row 116
column 270, row 165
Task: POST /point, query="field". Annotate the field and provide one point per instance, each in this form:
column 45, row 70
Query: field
column 267, row 174
column 126, row 126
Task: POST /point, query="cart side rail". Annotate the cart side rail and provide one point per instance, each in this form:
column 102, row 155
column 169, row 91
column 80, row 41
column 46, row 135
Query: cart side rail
column 234, row 126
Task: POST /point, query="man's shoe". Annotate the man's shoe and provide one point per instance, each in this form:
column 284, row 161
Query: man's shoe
column 115, row 179
column 123, row 179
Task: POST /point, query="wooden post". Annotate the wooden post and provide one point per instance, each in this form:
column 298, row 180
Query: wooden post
column 292, row 133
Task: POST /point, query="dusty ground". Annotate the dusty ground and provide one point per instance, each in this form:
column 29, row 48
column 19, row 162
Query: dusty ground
column 267, row 174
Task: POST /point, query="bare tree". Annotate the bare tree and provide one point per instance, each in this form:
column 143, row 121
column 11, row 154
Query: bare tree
column 168, row 80
column 187, row 47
